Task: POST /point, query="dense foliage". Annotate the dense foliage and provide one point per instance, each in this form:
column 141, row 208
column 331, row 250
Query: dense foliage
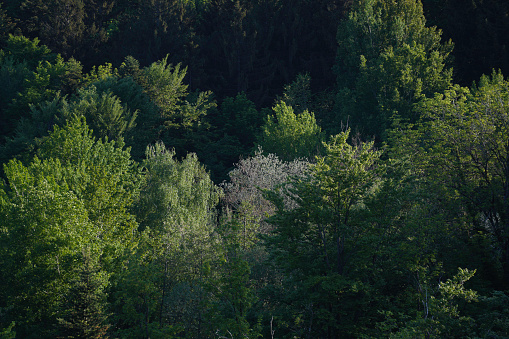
column 254, row 169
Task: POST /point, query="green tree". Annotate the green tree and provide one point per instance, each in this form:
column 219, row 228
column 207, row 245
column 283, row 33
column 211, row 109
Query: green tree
column 44, row 226
column 177, row 120
column 18, row 59
column 176, row 211
column 46, row 81
column 59, row 23
column 289, row 135
column 108, row 117
column 105, row 113
column 31, row 130
column 228, row 281
column 479, row 32
column 298, row 93
column 85, row 303
column 20, row 49
column 155, row 29
column 78, row 191
column 387, row 60
column 234, row 127
column 322, row 244
column 71, row 27
column 460, row 147
column 7, row 24
column 440, row 316
column 134, row 99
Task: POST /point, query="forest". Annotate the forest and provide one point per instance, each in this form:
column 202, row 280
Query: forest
column 314, row 169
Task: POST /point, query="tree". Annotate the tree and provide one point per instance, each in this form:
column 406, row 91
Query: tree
column 239, row 117
column 291, row 136
column 228, row 281
column 18, row 59
column 440, row 316
column 133, row 98
column 319, row 244
column 460, row 146
column 85, row 303
column 7, row 25
column 178, row 116
column 298, row 93
column 387, row 60
column 44, row 226
column 155, row 29
column 229, row 38
column 234, row 127
column 176, row 211
column 70, row 27
column 479, row 32
column 247, row 182
column 109, row 118
column 105, row 113
column 47, row 80
column 59, row 23
column 78, row 191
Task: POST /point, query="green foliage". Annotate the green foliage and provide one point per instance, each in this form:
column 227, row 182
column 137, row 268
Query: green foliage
column 30, row 132
column 238, row 117
column 317, row 244
column 492, row 314
column 18, row 59
column 164, row 84
column 12, row 75
column 22, row 49
column 105, row 113
column 351, row 242
column 140, row 293
column 45, row 225
column 176, row 212
column 47, row 81
column 7, row 24
column 233, row 129
column 177, row 120
column 133, row 99
column 178, row 199
column 387, row 61
column 102, row 174
column 291, row 136
column 100, row 73
column 461, row 147
column 232, row 292
column 84, row 305
column 298, row 94
column 8, row 332
column 440, row 317
column 76, row 193
column 72, row 27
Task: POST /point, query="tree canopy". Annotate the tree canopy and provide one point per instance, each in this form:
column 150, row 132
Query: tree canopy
column 254, row 169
